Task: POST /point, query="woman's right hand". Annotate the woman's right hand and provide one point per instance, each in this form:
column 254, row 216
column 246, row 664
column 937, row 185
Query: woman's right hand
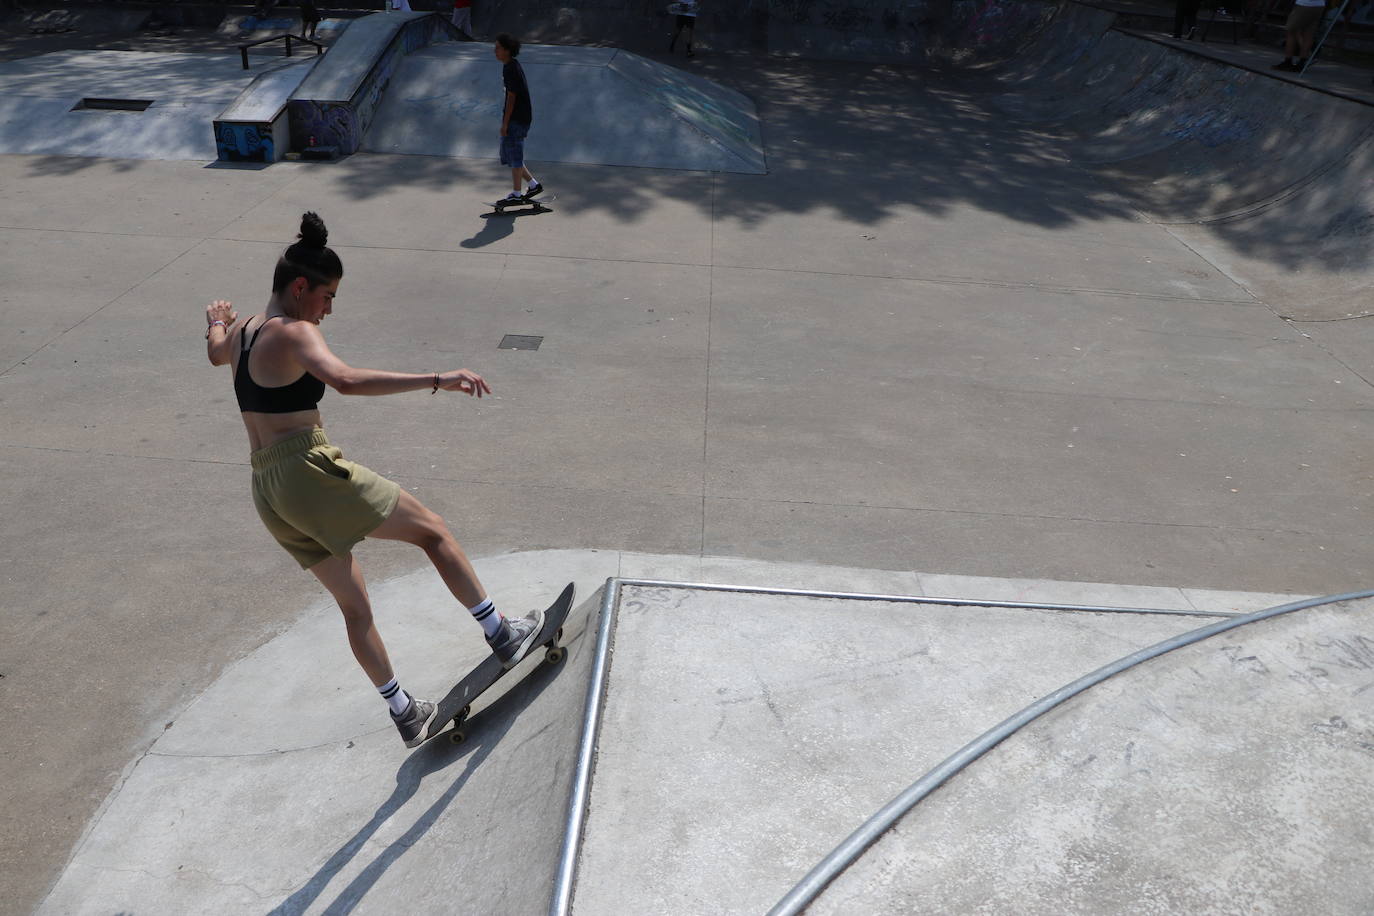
column 469, row 383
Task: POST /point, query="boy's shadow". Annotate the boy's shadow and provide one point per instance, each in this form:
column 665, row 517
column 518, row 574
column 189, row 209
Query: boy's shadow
column 485, row 731
column 499, row 226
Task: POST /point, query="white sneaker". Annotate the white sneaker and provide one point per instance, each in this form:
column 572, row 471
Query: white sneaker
column 515, row 195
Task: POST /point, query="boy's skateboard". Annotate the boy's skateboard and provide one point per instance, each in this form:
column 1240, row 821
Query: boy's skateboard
column 458, row 703
column 538, row 203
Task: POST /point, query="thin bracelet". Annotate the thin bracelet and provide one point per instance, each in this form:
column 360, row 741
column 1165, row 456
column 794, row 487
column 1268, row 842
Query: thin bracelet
column 212, row 326
column 435, row 389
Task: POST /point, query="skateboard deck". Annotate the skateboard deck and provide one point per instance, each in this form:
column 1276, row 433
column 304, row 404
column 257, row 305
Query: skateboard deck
column 538, row 203
column 456, row 705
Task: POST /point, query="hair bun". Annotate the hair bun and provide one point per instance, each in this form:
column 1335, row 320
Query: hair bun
column 313, row 232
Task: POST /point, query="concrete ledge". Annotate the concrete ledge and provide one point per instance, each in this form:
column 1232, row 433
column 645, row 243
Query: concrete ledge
column 337, row 103
column 253, row 128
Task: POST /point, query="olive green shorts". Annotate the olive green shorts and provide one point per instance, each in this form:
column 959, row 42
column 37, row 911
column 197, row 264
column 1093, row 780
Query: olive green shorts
column 313, row 501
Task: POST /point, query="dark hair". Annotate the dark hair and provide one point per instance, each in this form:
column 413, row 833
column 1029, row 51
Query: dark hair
column 509, row 43
column 309, row 257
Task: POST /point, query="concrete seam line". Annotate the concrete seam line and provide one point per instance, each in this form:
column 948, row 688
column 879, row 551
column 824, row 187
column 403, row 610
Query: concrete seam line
column 919, row 599
column 829, row 868
column 586, row 755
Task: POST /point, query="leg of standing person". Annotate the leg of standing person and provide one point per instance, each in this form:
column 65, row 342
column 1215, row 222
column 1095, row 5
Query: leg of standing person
column 677, row 30
column 1306, row 39
column 691, row 34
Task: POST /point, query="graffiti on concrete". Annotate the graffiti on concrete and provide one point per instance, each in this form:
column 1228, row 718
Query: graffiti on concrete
column 1212, row 128
column 324, row 123
column 342, row 123
column 237, row 142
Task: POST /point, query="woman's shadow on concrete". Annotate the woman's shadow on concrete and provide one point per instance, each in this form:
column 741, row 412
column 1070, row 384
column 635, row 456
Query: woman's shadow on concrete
column 485, row 730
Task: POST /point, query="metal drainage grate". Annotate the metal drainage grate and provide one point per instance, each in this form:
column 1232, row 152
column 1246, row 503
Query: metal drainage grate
column 113, row 104
column 520, row 342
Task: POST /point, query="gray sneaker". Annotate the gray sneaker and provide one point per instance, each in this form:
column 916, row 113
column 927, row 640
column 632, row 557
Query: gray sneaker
column 413, row 724
column 515, row 638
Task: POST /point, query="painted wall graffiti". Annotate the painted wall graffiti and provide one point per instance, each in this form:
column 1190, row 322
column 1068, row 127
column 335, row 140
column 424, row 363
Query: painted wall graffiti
column 328, row 123
column 236, row 142
column 342, row 123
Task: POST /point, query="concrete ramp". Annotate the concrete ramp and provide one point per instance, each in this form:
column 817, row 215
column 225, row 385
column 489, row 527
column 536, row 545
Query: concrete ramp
column 591, row 105
column 244, row 806
column 743, row 732
column 187, row 93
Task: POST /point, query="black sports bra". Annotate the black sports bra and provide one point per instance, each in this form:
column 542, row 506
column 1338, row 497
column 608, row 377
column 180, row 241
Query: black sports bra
column 302, row 394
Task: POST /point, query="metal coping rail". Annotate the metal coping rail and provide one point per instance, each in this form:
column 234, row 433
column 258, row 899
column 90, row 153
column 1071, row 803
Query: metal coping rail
column 844, row 855
column 561, row 903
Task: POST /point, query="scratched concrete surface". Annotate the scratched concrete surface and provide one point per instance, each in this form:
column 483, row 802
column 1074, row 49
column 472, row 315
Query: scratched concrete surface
column 1229, row 776
column 738, row 763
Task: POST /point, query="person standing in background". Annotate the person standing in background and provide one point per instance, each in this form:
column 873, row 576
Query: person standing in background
column 686, row 12
column 1300, row 32
column 310, row 18
column 462, row 17
column 1185, row 18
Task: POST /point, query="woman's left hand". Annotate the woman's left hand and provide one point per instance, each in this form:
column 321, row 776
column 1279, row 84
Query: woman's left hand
column 469, row 383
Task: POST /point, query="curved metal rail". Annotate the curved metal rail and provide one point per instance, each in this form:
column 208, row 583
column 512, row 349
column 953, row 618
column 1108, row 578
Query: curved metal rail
column 829, row 868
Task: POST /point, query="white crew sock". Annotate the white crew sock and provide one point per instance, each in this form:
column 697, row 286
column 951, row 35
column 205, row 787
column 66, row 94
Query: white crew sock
column 488, row 616
column 395, row 697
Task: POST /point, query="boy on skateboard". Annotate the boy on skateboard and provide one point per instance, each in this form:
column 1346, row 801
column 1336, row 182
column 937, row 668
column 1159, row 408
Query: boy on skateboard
column 516, row 115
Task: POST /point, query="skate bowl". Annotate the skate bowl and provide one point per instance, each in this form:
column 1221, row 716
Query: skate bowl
column 446, row 101
column 1223, row 154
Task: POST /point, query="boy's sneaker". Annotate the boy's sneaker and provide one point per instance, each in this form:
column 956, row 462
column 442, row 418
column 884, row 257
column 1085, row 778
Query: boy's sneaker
column 534, row 191
column 515, row 638
column 1285, row 65
column 414, row 723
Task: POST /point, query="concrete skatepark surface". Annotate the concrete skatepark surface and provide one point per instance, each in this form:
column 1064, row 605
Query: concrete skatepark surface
column 1012, row 364
column 743, row 734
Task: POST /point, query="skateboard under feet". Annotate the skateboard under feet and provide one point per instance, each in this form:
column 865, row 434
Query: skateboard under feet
column 457, row 704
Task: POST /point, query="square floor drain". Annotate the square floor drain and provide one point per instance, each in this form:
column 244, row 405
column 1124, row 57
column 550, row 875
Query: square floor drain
column 520, row 342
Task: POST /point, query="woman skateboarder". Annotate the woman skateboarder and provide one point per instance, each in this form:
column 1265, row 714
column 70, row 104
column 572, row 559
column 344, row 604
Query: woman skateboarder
column 317, row 504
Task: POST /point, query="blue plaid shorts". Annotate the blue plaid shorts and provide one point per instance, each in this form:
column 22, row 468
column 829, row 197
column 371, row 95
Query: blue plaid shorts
column 513, row 145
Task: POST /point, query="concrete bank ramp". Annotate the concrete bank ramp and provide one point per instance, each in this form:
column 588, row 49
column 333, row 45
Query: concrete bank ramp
column 592, row 105
column 285, row 789
column 187, row 92
column 742, row 736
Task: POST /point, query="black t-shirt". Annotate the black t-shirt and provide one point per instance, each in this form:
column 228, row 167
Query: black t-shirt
column 514, row 77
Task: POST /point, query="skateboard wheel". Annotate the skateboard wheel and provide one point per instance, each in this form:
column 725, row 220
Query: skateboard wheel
column 554, row 656
column 457, row 736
